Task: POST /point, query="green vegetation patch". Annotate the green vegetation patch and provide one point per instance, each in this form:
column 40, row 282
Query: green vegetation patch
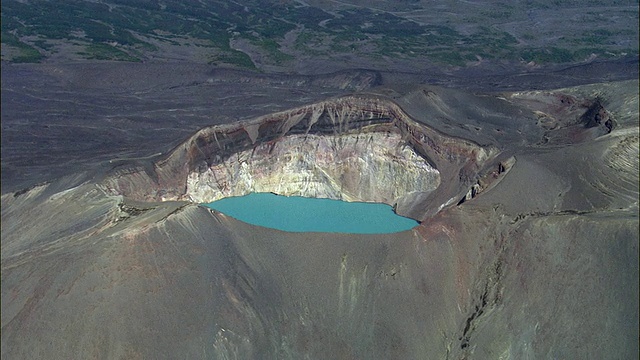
column 366, row 32
column 550, row 55
column 273, row 49
column 26, row 52
column 233, row 57
column 448, row 57
column 107, row 52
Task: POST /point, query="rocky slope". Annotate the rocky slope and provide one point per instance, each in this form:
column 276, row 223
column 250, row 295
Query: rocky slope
column 528, row 248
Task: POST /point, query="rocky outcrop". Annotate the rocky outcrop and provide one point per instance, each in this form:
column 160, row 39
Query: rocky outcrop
column 356, row 148
column 358, row 167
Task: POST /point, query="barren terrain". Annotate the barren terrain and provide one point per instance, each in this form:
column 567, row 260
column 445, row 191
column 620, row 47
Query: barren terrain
column 509, row 130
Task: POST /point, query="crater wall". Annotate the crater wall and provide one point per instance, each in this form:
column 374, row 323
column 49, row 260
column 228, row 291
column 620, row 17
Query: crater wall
column 378, row 167
column 355, row 148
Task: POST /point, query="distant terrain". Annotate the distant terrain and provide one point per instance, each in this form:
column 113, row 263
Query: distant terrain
column 320, row 35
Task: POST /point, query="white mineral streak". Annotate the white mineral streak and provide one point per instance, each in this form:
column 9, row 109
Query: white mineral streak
column 252, row 131
column 315, row 116
column 375, row 167
column 290, row 121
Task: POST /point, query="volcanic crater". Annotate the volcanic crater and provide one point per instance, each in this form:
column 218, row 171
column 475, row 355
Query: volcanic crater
column 354, row 148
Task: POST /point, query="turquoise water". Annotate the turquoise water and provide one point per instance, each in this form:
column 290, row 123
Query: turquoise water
column 300, row 214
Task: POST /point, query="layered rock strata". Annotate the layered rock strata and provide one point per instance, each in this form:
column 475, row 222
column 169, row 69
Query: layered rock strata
column 354, row 167
column 356, row 148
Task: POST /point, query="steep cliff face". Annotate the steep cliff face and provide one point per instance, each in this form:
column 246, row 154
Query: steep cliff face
column 354, row 167
column 355, row 148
